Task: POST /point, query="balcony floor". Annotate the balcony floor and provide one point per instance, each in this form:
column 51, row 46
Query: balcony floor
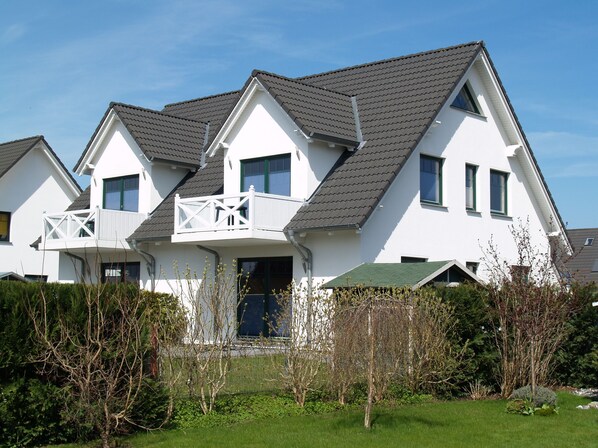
column 229, row 238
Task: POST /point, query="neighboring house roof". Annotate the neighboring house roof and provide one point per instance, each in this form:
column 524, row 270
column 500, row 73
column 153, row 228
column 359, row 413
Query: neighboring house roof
column 161, row 137
column 12, row 152
column 13, row 276
column 81, row 202
column 583, row 265
column 396, row 275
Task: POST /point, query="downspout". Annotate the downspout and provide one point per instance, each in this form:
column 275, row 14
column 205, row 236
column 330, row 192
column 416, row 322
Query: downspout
column 307, row 260
column 150, row 263
column 84, row 266
column 216, row 257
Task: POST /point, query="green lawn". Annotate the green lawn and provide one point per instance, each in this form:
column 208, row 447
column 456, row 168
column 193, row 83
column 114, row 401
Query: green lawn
column 441, row 424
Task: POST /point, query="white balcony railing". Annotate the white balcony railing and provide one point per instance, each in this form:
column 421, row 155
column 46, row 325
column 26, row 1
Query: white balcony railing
column 247, row 212
column 94, row 225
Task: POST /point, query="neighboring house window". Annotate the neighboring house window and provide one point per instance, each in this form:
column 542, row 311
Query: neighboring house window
column 4, row 226
column 267, row 175
column 589, row 242
column 122, row 193
column 413, row 260
column 472, row 266
column 470, row 187
column 430, row 180
column 595, row 266
column 121, row 272
column 37, row 278
column 466, row 101
column 498, row 192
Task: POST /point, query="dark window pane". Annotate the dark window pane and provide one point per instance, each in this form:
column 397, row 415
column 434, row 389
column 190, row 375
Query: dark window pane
column 498, row 192
column 430, row 179
column 4, row 226
column 253, row 174
column 464, row 100
column 131, row 194
column 280, row 176
column 470, row 187
column 112, row 194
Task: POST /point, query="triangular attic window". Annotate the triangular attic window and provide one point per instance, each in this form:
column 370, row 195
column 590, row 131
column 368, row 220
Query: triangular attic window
column 465, row 100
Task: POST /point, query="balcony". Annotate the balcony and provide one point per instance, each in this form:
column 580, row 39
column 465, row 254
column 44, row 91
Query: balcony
column 89, row 229
column 223, row 220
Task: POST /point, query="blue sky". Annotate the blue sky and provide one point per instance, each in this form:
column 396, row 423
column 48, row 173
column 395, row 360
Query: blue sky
column 63, row 62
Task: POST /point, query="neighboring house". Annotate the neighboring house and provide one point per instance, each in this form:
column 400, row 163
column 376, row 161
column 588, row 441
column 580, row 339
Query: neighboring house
column 583, row 264
column 32, row 181
column 413, row 159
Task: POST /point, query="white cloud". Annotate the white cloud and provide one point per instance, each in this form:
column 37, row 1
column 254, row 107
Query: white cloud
column 566, row 154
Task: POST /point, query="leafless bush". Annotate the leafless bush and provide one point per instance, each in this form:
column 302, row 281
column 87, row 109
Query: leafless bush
column 531, row 308
column 304, row 322
column 205, row 358
column 478, row 391
column 100, row 351
column 390, row 335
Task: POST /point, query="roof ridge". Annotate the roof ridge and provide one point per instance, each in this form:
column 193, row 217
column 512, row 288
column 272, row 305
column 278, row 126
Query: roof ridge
column 383, row 61
column 256, row 72
column 145, row 109
column 37, row 137
column 202, row 98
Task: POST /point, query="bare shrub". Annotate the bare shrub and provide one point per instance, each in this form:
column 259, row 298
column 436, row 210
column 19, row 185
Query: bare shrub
column 99, row 347
column 304, row 325
column 531, row 308
column 478, row 390
column 203, row 361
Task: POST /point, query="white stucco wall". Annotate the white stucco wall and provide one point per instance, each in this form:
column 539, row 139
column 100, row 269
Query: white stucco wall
column 264, row 129
column 119, row 155
column 403, row 226
column 28, row 189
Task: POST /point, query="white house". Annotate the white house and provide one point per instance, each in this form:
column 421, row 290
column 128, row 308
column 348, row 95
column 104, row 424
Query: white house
column 417, row 158
column 32, row 181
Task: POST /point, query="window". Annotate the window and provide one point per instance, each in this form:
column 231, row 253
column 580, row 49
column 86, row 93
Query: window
column 122, row 193
column 470, row 187
column 4, row 226
column 267, row 175
column 498, row 192
column 589, row 242
column 121, row 272
column 430, row 180
column 465, row 100
column 472, row 266
column 263, row 279
column 37, row 278
column 413, row 260
column 520, row 273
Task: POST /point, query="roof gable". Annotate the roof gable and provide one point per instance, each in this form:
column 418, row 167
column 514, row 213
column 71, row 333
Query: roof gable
column 396, row 275
column 160, row 136
column 12, row 152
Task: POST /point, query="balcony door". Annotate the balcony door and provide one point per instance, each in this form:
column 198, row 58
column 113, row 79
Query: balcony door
column 264, row 277
column 267, row 175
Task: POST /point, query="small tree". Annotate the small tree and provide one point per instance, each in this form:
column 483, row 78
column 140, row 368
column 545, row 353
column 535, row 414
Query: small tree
column 390, row 335
column 531, row 308
column 98, row 346
column 304, row 322
column 205, row 359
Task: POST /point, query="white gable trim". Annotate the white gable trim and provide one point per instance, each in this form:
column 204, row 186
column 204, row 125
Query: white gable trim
column 254, row 86
column 95, row 145
column 518, row 147
column 444, row 268
column 72, row 186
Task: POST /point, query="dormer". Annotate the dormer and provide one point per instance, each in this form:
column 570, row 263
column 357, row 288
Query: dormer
column 137, row 156
column 283, row 136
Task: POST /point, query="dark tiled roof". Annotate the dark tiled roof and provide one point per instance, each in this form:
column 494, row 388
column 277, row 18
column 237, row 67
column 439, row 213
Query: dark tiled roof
column 319, row 112
column 206, row 182
column 81, row 202
column 12, row 152
column 397, row 99
column 585, row 258
column 161, row 136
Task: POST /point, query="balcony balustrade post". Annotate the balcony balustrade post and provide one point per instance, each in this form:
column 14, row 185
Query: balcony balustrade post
column 251, row 205
column 97, row 228
column 177, row 221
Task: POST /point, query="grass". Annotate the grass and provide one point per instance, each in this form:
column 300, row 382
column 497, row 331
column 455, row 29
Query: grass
column 436, row 424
